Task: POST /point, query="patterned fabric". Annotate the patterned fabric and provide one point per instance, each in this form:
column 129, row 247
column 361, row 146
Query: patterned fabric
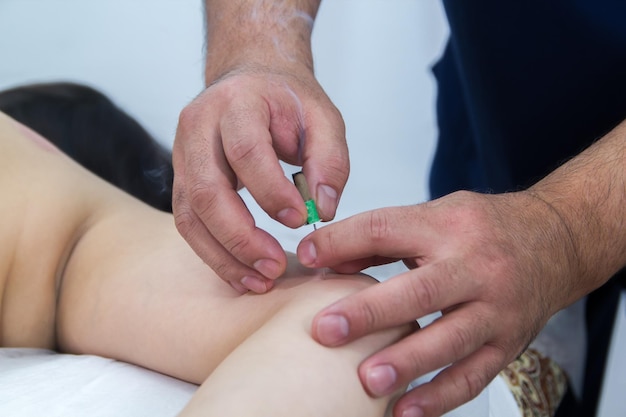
column 537, row 383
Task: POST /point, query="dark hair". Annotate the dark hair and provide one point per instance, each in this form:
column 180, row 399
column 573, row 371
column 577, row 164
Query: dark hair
column 92, row 130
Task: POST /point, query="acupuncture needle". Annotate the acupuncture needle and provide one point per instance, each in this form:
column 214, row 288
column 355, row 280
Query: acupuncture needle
column 312, row 216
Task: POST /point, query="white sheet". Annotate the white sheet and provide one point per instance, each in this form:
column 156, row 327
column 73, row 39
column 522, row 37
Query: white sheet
column 35, row 383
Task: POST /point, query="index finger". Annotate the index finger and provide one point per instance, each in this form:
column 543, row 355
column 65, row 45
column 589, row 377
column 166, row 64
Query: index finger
column 399, row 300
column 209, row 210
column 370, row 235
column 249, row 149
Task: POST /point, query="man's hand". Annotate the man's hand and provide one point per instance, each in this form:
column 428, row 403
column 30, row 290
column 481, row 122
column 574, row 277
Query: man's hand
column 262, row 104
column 234, row 134
column 497, row 266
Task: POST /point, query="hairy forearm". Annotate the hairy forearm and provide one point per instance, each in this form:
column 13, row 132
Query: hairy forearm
column 589, row 195
column 258, row 33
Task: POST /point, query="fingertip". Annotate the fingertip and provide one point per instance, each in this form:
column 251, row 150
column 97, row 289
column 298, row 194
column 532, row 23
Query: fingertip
column 380, row 380
column 291, row 217
column 307, row 253
column 238, row 287
column 270, row 268
column 254, row 284
column 411, row 411
column 417, row 403
column 327, row 199
column 269, row 284
column 331, row 329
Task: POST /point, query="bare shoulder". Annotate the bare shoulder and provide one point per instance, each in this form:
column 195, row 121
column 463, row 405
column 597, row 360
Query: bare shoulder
column 41, row 216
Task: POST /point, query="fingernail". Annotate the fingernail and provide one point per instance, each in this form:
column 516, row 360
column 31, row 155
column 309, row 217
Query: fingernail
column 326, row 200
column 332, row 329
column 238, row 287
column 307, row 254
column 381, row 379
column 254, row 284
column 413, row 411
column 268, row 267
column 290, row 217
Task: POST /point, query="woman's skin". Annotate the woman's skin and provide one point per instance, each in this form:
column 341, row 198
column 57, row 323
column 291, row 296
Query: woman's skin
column 85, row 268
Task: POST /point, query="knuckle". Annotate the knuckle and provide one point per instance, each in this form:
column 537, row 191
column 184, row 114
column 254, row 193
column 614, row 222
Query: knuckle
column 202, row 199
column 237, row 244
column 379, row 225
column 502, row 356
column 187, row 227
column 338, row 172
column 370, row 315
column 241, row 150
column 461, row 339
column 227, row 268
column 502, row 353
column 186, row 118
column 184, row 221
column 439, row 402
column 337, row 169
column 465, row 336
column 425, row 293
column 416, row 361
column 204, row 204
column 338, row 156
column 467, row 212
column 178, row 198
column 471, row 384
column 222, row 267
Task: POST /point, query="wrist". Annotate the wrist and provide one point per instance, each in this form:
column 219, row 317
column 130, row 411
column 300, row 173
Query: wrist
column 259, row 36
column 566, row 249
column 588, row 196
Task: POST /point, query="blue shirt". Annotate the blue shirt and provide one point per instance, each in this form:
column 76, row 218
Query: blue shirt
column 523, row 86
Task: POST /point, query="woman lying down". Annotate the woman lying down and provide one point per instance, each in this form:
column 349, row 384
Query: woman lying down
column 85, row 268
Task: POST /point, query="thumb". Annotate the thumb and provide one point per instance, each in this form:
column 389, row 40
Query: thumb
column 326, row 163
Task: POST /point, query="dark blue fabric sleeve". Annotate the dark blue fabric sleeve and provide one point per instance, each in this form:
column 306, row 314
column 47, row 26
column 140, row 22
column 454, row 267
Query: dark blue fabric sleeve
column 524, row 86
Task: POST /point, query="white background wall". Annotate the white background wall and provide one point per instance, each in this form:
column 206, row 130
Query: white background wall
column 372, row 56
